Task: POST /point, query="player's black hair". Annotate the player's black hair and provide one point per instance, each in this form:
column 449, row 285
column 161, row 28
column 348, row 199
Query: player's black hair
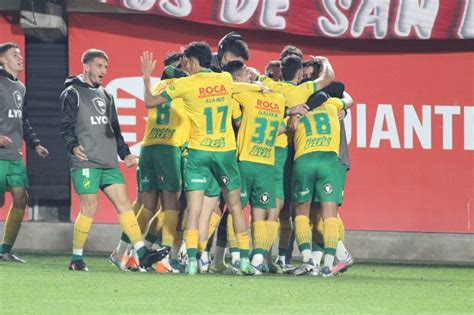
column 233, row 67
column 289, row 66
column 172, row 72
column 290, row 50
column 4, row 47
column 92, row 53
column 172, row 57
column 233, row 43
column 201, row 51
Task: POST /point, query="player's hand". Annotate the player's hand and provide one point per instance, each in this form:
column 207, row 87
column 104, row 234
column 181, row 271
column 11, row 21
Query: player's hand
column 78, row 152
column 41, row 151
column 131, row 160
column 342, row 114
column 254, row 73
column 298, row 110
column 264, row 89
column 147, row 64
column 4, row 141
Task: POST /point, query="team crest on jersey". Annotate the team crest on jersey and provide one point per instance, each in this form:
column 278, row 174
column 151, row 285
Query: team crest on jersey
column 99, row 105
column 264, row 198
column 225, row 180
column 327, row 188
column 18, row 99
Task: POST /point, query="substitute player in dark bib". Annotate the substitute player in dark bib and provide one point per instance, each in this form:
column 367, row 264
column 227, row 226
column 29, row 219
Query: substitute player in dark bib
column 92, row 136
column 14, row 128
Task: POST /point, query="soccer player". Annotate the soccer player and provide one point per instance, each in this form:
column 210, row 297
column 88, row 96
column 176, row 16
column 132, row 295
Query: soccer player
column 262, row 117
column 292, row 73
column 316, row 177
column 212, row 143
column 273, row 70
column 14, row 128
column 92, row 137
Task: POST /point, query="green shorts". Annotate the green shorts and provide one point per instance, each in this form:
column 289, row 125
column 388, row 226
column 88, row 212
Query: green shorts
column 283, row 167
column 258, row 185
column 89, row 180
column 213, row 190
column 160, row 168
column 201, row 166
column 12, row 174
column 317, row 178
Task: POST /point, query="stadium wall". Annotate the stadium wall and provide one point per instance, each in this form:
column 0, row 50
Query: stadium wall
column 411, row 131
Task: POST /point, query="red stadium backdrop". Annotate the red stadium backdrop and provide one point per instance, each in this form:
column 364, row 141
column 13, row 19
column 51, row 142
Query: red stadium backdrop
column 411, row 129
column 10, row 31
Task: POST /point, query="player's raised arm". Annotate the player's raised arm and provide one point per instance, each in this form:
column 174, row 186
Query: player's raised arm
column 148, row 66
column 327, row 73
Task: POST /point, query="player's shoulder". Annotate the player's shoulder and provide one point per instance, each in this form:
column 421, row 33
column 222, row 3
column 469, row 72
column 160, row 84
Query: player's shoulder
column 334, row 101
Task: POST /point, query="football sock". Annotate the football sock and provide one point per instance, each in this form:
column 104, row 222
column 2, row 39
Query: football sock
column 259, row 229
column 243, row 242
column 143, row 218
column 192, row 238
column 303, row 236
column 341, row 251
column 231, row 239
column 331, row 237
column 342, row 230
column 285, row 235
column 169, row 227
column 82, row 227
column 317, row 253
column 12, row 226
column 130, row 226
column 234, row 254
column 272, row 232
column 213, row 224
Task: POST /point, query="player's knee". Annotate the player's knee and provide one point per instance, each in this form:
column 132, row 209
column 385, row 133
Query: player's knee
column 20, row 198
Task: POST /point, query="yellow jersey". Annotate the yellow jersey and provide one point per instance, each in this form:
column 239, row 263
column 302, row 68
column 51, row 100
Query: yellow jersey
column 319, row 130
column 167, row 124
column 262, row 116
column 207, row 101
column 294, row 95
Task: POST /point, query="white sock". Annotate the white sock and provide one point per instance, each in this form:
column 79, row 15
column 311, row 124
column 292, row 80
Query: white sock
column 317, row 256
column 341, row 251
column 138, row 245
column 205, row 256
column 282, row 259
column 235, row 257
column 328, row 261
column 219, row 256
column 257, row 259
column 122, row 248
column 306, row 255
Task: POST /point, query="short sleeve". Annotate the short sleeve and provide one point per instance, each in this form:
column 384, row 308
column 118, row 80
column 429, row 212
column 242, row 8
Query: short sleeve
column 176, row 89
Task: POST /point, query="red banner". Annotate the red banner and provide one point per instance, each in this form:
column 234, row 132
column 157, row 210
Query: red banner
column 411, row 130
column 10, row 31
column 355, row 19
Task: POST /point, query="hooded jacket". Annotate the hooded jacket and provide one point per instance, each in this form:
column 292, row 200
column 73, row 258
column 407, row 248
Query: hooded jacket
column 95, row 135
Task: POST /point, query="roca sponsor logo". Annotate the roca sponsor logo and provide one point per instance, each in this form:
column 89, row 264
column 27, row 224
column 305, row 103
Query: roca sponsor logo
column 268, row 106
column 212, row 90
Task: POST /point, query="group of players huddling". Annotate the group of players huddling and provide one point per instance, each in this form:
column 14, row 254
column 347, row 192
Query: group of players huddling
column 219, row 136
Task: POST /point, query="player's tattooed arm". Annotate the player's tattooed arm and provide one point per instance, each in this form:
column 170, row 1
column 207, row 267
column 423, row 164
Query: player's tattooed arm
column 147, row 67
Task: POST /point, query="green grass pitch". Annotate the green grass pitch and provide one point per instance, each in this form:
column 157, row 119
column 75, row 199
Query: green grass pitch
column 44, row 286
